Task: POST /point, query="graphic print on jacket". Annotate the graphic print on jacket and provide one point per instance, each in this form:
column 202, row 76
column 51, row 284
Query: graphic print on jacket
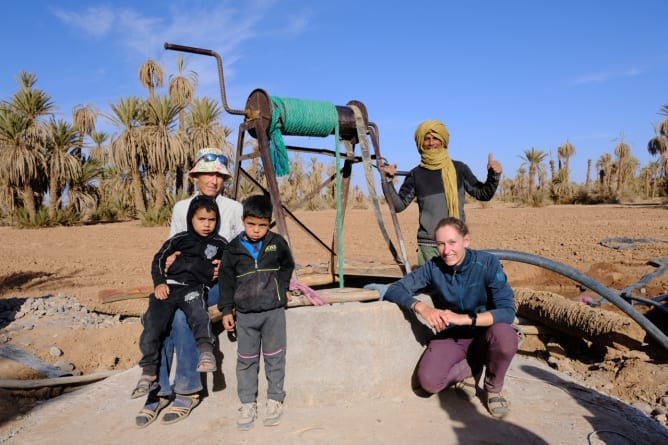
column 255, row 286
column 194, row 264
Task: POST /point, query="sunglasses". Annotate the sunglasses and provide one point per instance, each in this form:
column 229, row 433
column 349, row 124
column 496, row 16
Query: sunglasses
column 210, row 157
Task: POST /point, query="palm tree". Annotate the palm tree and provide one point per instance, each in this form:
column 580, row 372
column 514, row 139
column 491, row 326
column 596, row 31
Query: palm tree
column 151, row 76
column 115, row 191
column 650, row 176
column 99, row 151
column 182, row 91
column 314, row 183
column 182, row 87
column 553, row 172
column 18, row 165
column 204, row 128
column 588, row 177
column 32, row 103
column 7, row 205
column 291, row 187
column 164, row 149
column 506, row 187
column 85, row 192
column 623, row 153
column 83, row 118
column 562, row 189
column 64, row 165
column 534, row 158
column 565, row 152
column 604, row 167
column 520, row 182
column 628, row 172
column 297, row 176
column 658, row 145
column 24, row 164
column 126, row 152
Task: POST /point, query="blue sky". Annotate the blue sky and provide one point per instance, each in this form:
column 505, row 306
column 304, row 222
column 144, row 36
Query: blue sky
column 503, row 76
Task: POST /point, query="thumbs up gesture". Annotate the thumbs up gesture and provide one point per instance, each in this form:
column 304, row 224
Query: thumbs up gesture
column 493, row 164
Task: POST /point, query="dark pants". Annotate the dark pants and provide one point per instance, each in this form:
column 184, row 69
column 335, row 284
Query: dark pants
column 265, row 331
column 158, row 317
column 448, row 361
column 181, row 343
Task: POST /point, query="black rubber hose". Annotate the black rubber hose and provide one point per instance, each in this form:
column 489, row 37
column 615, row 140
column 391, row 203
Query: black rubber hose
column 588, row 282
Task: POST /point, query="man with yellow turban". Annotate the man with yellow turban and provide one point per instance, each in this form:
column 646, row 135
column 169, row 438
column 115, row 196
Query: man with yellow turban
column 439, row 184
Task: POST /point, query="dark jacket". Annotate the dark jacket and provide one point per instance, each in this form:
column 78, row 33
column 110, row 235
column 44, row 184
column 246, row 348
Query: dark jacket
column 427, row 186
column 255, row 286
column 197, row 253
column 477, row 285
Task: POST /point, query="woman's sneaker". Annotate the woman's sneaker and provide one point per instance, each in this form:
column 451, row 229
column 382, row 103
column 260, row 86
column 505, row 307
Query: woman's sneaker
column 247, row 415
column 274, row 412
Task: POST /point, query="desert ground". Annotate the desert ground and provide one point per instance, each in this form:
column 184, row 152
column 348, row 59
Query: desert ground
column 81, row 262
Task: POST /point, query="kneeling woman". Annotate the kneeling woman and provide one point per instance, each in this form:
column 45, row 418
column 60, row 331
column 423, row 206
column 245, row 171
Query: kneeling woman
column 473, row 310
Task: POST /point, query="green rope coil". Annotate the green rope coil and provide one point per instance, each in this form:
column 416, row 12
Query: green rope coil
column 297, row 117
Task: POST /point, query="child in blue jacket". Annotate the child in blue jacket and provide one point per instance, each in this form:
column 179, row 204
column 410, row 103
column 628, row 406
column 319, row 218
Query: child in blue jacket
column 254, row 277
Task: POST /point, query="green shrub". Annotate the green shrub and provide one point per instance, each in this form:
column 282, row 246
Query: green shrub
column 157, row 217
column 41, row 219
column 62, row 218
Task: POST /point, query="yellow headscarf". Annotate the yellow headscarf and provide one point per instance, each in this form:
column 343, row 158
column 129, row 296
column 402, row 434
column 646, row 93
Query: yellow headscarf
column 439, row 160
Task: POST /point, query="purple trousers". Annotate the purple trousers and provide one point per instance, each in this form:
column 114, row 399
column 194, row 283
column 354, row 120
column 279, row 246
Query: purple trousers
column 448, row 361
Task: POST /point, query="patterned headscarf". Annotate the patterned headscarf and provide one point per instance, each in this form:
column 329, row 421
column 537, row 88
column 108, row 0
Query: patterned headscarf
column 439, row 160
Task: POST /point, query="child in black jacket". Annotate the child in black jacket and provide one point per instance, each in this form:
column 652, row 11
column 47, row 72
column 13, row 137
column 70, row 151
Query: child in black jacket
column 254, row 277
column 184, row 285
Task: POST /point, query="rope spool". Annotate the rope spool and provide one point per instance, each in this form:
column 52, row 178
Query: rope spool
column 297, row 117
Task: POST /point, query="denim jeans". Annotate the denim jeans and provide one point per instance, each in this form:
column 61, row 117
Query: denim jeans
column 180, row 340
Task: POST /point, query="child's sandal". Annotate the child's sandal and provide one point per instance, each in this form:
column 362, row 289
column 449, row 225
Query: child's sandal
column 143, row 387
column 207, row 362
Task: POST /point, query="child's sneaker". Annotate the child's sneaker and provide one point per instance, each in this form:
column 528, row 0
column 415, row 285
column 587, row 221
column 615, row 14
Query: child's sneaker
column 274, row 412
column 247, row 415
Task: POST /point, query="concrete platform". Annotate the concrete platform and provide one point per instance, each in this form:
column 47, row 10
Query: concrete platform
column 348, row 382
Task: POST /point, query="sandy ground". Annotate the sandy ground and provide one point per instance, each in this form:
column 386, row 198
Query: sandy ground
column 548, row 408
column 82, row 261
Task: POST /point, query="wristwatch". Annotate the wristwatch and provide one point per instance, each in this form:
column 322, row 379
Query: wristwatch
column 474, row 317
